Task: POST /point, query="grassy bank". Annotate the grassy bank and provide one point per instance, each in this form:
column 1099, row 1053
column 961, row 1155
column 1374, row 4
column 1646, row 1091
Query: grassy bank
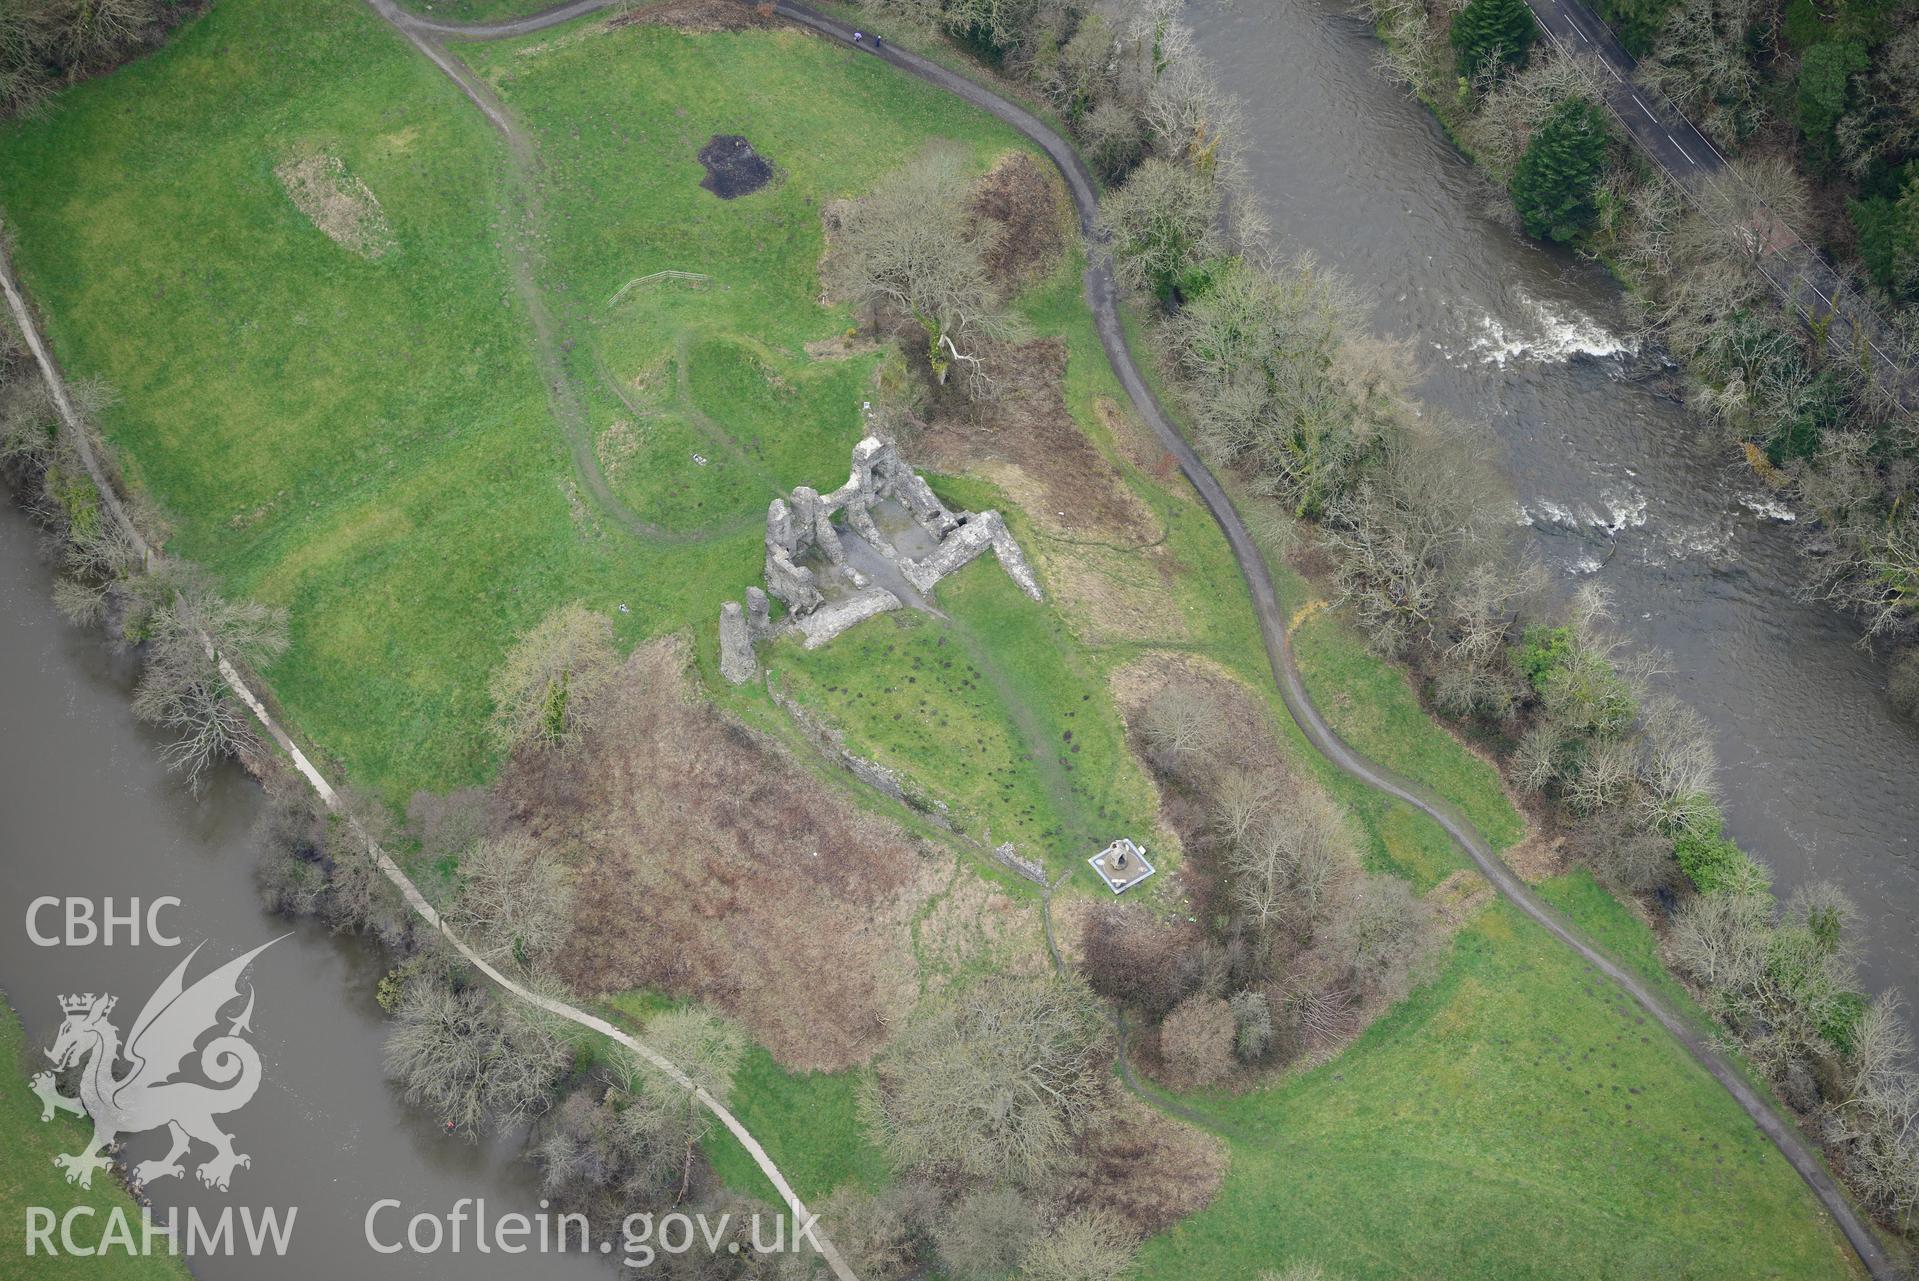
column 28, row 1177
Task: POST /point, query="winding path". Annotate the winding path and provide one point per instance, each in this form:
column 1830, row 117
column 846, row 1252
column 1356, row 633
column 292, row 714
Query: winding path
column 1101, row 297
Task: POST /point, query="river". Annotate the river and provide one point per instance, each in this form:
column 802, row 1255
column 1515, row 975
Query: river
column 1619, row 484
column 87, row 810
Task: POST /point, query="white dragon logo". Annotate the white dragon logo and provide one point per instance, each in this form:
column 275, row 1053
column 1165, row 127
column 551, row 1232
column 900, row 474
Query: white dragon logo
column 146, row 1097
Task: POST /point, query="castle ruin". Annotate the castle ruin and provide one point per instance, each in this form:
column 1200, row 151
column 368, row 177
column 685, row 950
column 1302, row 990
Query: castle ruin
column 898, row 541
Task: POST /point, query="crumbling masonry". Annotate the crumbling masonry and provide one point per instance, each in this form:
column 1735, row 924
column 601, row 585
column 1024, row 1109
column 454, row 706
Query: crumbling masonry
column 896, row 526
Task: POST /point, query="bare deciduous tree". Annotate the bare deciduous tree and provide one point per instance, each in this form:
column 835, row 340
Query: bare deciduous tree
column 1291, row 861
column 474, row 1061
column 911, row 245
column 1409, row 535
column 1680, row 770
column 992, row 1081
column 514, row 904
column 1181, row 729
column 188, row 628
column 543, row 692
column 1704, row 61
column 1720, row 939
column 1162, row 222
column 1384, row 936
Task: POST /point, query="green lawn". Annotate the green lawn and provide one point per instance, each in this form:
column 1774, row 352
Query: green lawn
column 368, row 442
column 808, row 1122
column 476, row 10
column 1515, row 1118
column 28, row 1177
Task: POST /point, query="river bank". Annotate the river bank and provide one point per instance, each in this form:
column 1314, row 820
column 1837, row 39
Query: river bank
column 1617, row 482
column 92, row 812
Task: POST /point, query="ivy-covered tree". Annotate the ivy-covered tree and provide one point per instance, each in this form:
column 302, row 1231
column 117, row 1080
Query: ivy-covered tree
column 1825, row 92
column 1888, row 232
column 1556, row 184
column 1492, row 31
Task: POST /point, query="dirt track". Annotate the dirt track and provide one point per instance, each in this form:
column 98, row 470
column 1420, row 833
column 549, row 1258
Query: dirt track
column 1101, row 294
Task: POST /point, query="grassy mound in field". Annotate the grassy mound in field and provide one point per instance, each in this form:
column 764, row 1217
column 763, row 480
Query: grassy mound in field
column 371, row 443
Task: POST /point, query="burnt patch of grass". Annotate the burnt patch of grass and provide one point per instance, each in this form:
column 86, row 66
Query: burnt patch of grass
column 733, row 168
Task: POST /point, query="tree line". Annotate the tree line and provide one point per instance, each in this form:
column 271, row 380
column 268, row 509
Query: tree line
column 1820, row 116
column 48, row 44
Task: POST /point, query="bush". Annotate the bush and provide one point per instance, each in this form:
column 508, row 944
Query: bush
column 1556, row 184
column 986, row 1235
column 1197, row 1041
column 1825, row 91
column 1542, row 651
column 1496, row 32
column 1089, row 1246
column 1715, row 865
column 1252, row 1026
column 1162, row 223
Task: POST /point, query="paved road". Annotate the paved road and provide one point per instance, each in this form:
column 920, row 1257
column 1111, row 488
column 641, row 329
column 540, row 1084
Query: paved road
column 1804, row 281
column 1101, row 296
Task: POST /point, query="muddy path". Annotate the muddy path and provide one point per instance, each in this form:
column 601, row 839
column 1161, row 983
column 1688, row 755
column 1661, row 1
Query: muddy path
column 1101, row 294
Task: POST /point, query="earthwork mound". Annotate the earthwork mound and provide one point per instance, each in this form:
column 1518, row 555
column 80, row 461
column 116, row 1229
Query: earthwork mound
column 733, row 168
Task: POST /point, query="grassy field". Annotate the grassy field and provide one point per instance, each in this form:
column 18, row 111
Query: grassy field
column 370, row 443
column 1515, row 1118
column 28, row 1177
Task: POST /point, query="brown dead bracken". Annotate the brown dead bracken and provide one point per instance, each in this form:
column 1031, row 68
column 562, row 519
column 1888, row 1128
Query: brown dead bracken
column 1020, row 216
column 709, row 864
column 1148, row 1169
column 1027, row 426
